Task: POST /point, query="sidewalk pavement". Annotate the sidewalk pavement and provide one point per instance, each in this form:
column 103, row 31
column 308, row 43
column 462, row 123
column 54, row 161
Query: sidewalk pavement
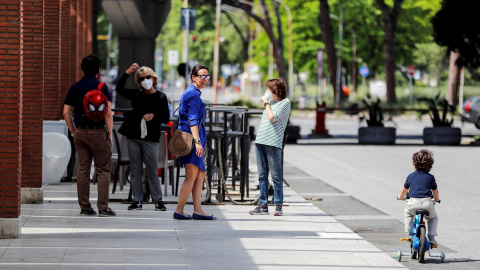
column 54, row 236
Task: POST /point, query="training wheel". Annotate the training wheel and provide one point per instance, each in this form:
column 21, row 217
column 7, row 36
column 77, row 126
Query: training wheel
column 399, row 255
column 442, row 256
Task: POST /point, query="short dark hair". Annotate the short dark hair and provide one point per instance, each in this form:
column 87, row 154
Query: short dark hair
column 423, row 160
column 278, row 87
column 91, row 65
column 196, row 69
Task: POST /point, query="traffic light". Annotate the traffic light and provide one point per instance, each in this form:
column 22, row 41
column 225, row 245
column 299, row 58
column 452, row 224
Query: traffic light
column 194, row 38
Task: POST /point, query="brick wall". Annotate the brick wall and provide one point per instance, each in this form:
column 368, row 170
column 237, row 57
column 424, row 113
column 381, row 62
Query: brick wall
column 33, row 88
column 52, row 60
column 42, row 43
column 11, row 105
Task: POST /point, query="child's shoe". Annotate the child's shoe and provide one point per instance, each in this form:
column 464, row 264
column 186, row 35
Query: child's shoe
column 432, row 241
column 259, row 210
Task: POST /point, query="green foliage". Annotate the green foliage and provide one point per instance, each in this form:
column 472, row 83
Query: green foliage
column 456, row 27
column 368, row 110
column 430, row 57
column 171, row 37
column 439, row 111
column 102, row 28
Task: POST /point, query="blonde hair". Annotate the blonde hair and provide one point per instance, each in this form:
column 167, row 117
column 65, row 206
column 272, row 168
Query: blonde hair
column 146, row 71
column 423, row 160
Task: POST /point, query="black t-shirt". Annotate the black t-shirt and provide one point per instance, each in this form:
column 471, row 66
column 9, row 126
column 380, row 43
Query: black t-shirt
column 75, row 96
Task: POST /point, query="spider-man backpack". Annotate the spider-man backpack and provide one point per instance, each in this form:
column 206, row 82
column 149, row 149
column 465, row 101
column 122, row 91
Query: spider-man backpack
column 95, row 103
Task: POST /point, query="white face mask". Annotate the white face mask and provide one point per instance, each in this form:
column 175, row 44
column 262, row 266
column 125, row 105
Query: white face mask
column 268, row 95
column 147, row 84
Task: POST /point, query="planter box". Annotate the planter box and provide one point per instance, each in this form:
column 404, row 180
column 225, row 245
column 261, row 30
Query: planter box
column 442, row 136
column 377, row 135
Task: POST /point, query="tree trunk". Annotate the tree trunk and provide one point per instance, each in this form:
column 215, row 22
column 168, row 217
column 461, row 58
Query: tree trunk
column 327, row 37
column 354, row 64
column 390, row 26
column 243, row 38
column 453, row 78
column 276, row 44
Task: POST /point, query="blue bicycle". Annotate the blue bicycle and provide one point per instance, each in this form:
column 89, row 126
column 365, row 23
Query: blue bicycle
column 418, row 239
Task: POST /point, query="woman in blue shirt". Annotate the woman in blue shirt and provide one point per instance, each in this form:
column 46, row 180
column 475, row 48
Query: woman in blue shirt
column 191, row 119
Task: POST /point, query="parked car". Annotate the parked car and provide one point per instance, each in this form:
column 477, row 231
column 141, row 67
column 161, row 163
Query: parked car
column 471, row 111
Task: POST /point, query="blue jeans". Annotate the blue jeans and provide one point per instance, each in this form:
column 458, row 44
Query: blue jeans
column 269, row 158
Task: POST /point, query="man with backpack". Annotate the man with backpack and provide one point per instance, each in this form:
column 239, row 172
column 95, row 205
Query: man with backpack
column 89, row 101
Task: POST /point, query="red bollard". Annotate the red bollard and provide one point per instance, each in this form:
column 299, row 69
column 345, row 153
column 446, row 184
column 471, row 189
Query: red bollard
column 321, row 112
column 320, row 131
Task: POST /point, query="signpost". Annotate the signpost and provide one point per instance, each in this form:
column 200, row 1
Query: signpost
column 364, row 72
column 187, row 23
column 410, row 73
column 173, row 61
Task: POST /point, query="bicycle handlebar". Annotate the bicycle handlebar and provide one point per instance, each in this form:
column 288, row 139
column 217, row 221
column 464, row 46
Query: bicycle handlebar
column 406, row 197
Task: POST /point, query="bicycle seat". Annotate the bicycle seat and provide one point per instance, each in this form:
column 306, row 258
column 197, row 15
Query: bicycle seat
column 422, row 212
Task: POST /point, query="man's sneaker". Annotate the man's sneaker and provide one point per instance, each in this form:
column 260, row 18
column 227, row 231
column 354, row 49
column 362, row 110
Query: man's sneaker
column 432, row 240
column 107, row 213
column 135, row 206
column 89, row 212
column 278, row 211
column 259, row 210
column 159, row 206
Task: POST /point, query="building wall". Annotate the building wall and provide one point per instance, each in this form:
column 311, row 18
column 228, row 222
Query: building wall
column 42, row 43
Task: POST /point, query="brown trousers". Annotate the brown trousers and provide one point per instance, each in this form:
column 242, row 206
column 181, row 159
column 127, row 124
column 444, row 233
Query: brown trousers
column 93, row 144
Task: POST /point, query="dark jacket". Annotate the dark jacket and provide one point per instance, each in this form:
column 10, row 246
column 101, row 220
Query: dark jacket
column 143, row 103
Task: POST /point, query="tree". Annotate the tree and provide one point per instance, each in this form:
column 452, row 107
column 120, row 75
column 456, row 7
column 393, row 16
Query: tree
column 328, row 40
column 277, row 42
column 455, row 26
column 390, row 26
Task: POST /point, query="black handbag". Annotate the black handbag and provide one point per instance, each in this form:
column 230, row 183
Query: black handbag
column 127, row 128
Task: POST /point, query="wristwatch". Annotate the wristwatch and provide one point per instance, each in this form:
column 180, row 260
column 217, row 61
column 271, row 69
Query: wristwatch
column 197, row 140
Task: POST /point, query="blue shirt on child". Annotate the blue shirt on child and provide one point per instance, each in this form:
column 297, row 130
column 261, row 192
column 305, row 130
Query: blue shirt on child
column 420, row 184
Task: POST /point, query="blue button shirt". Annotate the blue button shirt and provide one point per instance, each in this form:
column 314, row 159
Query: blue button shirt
column 192, row 113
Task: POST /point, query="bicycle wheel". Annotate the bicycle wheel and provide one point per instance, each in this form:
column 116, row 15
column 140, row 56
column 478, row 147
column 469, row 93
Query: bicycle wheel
column 422, row 245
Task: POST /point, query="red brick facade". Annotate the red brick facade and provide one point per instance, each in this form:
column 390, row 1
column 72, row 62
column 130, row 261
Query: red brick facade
column 42, row 43
column 33, row 87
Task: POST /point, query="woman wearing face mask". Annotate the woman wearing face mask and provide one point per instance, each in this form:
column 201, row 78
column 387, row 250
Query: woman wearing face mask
column 149, row 111
column 192, row 120
column 269, row 143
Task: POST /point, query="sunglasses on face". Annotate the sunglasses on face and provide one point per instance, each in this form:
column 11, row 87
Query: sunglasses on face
column 148, row 77
column 203, row 77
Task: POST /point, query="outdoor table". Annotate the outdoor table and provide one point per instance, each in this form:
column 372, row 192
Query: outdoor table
column 217, row 133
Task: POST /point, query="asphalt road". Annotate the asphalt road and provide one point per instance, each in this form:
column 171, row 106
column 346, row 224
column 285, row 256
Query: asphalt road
column 358, row 184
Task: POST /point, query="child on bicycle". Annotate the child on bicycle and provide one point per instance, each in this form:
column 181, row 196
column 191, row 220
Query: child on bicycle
column 422, row 192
